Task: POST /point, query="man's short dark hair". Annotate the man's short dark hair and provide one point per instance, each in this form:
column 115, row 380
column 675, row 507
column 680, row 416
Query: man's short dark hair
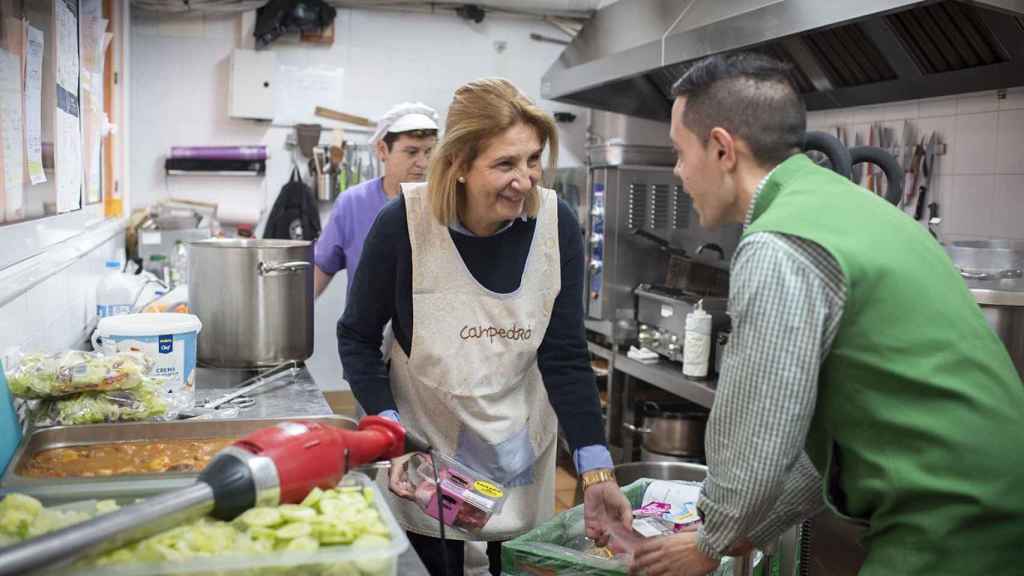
column 390, row 137
column 749, row 95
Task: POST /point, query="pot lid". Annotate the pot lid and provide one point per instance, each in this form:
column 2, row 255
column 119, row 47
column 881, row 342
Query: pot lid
column 249, row 243
column 148, row 324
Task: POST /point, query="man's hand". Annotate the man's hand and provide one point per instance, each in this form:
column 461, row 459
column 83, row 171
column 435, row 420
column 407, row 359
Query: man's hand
column 398, row 479
column 675, row 555
column 604, row 505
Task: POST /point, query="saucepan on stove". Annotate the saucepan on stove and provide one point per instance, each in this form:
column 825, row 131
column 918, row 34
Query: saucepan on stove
column 673, row 430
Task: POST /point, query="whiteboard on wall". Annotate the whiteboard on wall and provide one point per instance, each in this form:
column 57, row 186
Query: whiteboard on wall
column 299, row 90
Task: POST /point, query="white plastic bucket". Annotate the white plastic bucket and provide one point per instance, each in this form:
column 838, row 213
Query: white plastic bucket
column 169, row 339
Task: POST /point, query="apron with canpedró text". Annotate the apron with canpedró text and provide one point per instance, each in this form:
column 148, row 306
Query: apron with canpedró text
column 471, row 384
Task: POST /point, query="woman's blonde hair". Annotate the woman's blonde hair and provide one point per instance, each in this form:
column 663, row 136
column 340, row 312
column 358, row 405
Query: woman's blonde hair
column 480, row 111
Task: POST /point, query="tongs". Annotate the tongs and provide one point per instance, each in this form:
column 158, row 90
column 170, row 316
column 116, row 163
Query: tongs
column 290, row 368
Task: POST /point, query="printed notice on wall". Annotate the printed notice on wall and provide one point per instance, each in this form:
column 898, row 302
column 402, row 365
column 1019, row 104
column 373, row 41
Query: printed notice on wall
column 66, row 19
column 68, row 152
column 67, row 121
column 92, row 27
column 34, row 105
column 10, row 133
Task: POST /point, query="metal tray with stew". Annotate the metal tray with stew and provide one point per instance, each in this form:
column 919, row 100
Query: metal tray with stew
column 122, row 461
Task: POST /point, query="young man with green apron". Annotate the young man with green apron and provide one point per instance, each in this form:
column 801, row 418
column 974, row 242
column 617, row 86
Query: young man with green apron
column 860, row 374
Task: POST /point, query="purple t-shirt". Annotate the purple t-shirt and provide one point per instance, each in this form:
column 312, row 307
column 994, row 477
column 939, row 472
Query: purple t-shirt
column 341, row 242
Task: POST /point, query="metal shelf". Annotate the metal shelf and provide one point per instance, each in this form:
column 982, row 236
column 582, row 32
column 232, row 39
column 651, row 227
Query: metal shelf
column 602, row 327
column 600, row 351
column 216, row 173
column 668, row 377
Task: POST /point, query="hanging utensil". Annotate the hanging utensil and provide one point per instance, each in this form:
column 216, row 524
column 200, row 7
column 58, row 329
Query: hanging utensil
column 907, row 151
column 933, row 219
column 336, row 157
column 913, row 172
column 927, row 169
column 318, row 160
column 357, row 170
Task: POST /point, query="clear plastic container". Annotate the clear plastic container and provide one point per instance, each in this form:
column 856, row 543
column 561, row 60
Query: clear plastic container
column 116, row 292
column 340, row 560
column 179, row 266
column 468, row 498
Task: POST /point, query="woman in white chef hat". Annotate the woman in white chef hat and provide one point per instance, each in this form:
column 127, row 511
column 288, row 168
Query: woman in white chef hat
column 480, row 271
column 403, row 141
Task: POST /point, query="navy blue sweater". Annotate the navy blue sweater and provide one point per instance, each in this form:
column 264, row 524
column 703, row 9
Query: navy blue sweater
column 381, row 290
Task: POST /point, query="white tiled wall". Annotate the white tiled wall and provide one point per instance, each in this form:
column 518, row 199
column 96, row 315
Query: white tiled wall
column 55, row 314
column 979, row 182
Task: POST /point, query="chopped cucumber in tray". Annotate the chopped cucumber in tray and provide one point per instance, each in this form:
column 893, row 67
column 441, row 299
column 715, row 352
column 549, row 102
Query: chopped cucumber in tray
column 340, row 516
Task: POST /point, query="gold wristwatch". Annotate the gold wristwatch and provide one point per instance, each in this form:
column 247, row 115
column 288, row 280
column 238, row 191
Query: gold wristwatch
column 591, row 477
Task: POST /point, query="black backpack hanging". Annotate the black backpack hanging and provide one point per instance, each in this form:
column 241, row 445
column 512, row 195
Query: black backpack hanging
column 295, row 215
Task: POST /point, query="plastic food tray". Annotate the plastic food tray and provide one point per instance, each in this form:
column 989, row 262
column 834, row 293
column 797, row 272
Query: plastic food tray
column 338, row 560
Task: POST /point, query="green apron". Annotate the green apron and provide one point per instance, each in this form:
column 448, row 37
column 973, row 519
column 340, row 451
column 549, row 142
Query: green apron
column 918, row 429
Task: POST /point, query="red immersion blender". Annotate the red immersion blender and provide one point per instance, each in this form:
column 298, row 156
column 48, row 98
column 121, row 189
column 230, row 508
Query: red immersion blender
column 277, row 465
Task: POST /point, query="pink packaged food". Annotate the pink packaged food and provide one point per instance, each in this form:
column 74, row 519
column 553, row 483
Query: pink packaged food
column 468, row 498
column 652, row 510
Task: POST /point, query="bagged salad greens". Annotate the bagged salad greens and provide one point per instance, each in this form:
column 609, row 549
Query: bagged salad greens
column 43, row 376
column 141, row 403
column 340, row 517
column 76, row 387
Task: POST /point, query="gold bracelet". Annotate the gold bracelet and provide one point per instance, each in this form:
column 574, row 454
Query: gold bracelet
column 591, row 477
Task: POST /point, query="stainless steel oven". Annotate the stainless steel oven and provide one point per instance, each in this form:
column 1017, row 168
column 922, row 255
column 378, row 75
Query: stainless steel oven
column 633, row 188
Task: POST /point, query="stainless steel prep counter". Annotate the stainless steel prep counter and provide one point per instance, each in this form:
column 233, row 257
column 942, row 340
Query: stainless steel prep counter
column 286, row 396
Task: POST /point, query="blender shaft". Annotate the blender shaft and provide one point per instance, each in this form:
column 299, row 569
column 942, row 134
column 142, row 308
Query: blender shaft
column 108, row 531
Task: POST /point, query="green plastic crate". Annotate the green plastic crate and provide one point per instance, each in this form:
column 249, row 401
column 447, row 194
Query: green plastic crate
column 552, row 547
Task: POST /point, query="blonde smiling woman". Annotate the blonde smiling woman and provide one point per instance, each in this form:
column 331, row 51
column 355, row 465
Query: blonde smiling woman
column 482, row 248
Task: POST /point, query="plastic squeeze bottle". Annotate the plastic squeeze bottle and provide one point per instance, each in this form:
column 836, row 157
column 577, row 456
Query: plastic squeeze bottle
column 697, row 342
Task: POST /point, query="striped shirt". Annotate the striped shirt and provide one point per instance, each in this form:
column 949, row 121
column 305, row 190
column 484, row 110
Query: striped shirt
column 786, row 300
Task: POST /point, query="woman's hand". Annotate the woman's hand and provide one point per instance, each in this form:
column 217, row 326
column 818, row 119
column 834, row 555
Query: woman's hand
column 674, row 555
column 604, row 505
column 398, row 479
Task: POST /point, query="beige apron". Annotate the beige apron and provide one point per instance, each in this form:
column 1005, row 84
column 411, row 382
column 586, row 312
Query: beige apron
column 471, row 384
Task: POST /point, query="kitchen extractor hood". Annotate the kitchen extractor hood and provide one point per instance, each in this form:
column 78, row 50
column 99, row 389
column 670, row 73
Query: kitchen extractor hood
column 844, row 52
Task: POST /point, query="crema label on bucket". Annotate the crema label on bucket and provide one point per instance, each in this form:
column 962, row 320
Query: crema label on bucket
column 168, row 340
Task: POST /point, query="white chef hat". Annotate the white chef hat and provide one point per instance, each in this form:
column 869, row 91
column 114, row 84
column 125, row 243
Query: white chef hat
column 405, row 117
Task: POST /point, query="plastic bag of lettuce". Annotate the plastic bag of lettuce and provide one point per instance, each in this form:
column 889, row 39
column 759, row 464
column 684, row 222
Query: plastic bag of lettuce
column 141, row 403
column 337, row 532
column 42, row 376
column 76, row 387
